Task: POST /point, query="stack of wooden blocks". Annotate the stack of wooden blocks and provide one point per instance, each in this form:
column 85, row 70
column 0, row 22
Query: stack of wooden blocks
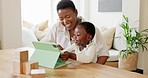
column 30, row 67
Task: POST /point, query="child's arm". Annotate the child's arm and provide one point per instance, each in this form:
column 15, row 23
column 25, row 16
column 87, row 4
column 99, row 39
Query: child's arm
column 72, row 56
column 60, row 47
column 65, row 54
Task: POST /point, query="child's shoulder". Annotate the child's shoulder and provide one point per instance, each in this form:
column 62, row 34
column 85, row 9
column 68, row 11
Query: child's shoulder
column 92, row 44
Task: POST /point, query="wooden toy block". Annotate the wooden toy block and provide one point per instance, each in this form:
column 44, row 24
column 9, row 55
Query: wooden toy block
column 20, row 56
column 27, row 66
column 34, row 65
column 21, row 67
column 38, row 73
column 24, row 56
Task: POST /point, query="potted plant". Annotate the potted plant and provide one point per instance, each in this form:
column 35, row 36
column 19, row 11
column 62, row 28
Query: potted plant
column 134, row 39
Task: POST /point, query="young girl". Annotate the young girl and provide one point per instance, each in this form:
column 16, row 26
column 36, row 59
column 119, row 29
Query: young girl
column 84, row 49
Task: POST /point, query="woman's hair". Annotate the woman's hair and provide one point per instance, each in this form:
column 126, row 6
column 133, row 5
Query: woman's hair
column 89, row 27
column 63, row 4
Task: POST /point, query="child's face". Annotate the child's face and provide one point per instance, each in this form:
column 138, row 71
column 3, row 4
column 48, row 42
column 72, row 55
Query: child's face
column 81, row 36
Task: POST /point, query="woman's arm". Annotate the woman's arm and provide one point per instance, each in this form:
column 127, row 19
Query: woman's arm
column 102, row 59
column 103, row 53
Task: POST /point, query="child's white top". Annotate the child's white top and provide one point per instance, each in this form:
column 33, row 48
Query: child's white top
column 87, row 55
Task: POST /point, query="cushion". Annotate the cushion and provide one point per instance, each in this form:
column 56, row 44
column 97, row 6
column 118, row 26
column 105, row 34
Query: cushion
column 108, row 35
column 113, row 55
column 27, row 37
column 43, row 25
column 27, row 24
column 119, row 41
column 41, row 30
column 40, row 34
column 102, row 29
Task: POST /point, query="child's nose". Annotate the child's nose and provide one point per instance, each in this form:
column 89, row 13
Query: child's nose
column 73, row 38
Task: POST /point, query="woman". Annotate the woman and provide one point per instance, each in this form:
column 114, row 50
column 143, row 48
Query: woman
column 63, row 31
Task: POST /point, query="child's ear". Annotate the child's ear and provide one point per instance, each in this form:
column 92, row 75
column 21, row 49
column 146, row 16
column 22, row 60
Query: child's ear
column 89, row 37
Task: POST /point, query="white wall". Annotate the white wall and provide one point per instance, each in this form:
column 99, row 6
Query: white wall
column 36, row 11
column 83, row 8
column 107, row 19
column 144, row 25
column 0, row 21
column 131, row 9
column 10, row 24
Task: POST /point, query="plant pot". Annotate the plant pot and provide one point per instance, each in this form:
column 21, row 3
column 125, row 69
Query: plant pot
column 129, row 63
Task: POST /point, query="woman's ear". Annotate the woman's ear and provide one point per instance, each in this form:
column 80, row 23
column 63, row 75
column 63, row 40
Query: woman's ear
column 76, row 12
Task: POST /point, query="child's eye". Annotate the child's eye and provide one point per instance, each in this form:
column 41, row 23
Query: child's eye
column 78, row 34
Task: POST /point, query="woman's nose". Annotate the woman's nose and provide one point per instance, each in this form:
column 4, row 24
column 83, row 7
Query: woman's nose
column 65, row 21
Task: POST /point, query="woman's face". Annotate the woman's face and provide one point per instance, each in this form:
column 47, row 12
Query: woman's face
column 68, row 18
column 81, row 36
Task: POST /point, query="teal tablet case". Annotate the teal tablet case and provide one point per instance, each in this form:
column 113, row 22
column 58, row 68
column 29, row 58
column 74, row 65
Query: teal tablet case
column 47, row 54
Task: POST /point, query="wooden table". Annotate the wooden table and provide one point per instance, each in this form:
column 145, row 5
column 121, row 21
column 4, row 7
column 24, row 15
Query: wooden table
column 92, row 71
column 79, row 71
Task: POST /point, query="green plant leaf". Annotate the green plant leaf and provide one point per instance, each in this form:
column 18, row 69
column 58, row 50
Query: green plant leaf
column 133, row 39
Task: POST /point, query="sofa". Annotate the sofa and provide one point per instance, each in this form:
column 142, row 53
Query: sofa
column 114, row 39
column 110, row 35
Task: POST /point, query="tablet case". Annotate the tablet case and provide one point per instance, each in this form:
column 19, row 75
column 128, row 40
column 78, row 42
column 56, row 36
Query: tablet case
column 47, row 54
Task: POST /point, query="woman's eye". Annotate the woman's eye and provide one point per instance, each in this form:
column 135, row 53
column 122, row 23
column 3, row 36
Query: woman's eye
column 67, row 16
column 61, row 19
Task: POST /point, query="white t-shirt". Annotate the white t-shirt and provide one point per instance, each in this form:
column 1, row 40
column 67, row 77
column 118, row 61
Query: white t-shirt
column 87, row 55
column 60, row 35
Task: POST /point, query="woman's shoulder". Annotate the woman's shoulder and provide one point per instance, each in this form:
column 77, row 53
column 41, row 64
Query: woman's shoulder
column 58, row 26
column 81, row 18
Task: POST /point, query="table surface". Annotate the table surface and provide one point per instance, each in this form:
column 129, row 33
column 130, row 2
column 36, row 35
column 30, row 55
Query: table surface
column 74, row 70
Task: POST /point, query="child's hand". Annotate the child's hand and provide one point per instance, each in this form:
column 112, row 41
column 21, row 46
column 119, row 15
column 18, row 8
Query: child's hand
column 60, row 47
column 64, row 56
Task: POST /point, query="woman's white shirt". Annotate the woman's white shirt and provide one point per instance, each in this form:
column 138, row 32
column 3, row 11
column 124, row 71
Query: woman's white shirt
column 59, row 35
